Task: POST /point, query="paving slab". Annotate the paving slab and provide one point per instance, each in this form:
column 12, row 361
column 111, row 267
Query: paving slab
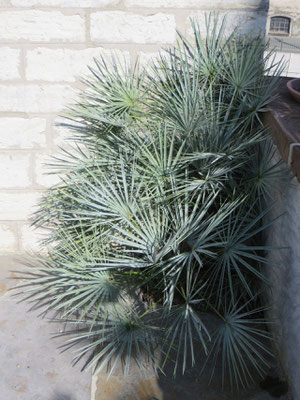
column 7, row 266
column 32, row 367
column 141, row 386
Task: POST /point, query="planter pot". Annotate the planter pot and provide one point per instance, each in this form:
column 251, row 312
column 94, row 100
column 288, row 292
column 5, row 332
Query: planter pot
column 294, row 88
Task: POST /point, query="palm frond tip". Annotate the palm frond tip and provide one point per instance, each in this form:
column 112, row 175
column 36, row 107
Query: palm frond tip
column 163, row 200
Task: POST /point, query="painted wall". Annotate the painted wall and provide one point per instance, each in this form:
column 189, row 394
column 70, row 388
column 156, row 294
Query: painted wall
column 288, row 48
column 286, row 8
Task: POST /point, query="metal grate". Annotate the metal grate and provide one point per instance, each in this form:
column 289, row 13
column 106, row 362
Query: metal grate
column 280, row 25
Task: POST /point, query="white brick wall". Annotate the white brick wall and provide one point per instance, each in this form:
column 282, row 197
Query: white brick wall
column 30, row 238
column 23, row 133
column 45, row 46
column 41, row 26
column 203, row 4
column 42, row 176
column 16, row 205
column 15, row 170
column 9, row 63
column 8, row 239
column 61, row 136
column 245, row 21
column 35, row 98
column 66, row 3
column 125, row 27
column 54, row 65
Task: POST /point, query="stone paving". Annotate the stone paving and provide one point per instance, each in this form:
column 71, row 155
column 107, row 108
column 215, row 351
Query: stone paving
column 145, row 385
column 32, row 366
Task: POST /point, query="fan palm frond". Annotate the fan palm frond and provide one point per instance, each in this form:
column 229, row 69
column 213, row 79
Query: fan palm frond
column 241, row 340
column 161, row 210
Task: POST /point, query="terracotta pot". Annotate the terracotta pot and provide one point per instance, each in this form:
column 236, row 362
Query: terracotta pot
column 294, row 88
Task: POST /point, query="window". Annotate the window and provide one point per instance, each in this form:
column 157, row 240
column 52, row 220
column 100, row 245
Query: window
column 280, row 25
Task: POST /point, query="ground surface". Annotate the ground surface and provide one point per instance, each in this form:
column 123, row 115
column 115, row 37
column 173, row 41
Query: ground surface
column 32, row 367
column 190, row 386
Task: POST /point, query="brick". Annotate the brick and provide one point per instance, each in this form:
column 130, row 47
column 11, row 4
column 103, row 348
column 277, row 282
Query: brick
column 193, row 3
column 151, row 59
column 35, row 98
column 247, row 22
column 8, row 241
column 5, row 3
column 22, row 133
column 125, row 27
column 42, row 177
column 41, row 26
column 62, row 136
column 66, row 3
column 18, row 206
column 146, row 59
column 9, row 63
column 31, row 237
column 65, row 64
column 14, row 171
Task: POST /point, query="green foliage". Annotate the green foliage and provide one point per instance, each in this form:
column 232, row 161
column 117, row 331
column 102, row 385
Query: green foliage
column 161, row 211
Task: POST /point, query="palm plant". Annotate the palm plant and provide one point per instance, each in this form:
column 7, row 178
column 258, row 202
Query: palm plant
column 160, row 213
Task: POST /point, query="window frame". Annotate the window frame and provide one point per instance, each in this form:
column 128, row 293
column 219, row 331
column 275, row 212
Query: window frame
column 273, row 32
